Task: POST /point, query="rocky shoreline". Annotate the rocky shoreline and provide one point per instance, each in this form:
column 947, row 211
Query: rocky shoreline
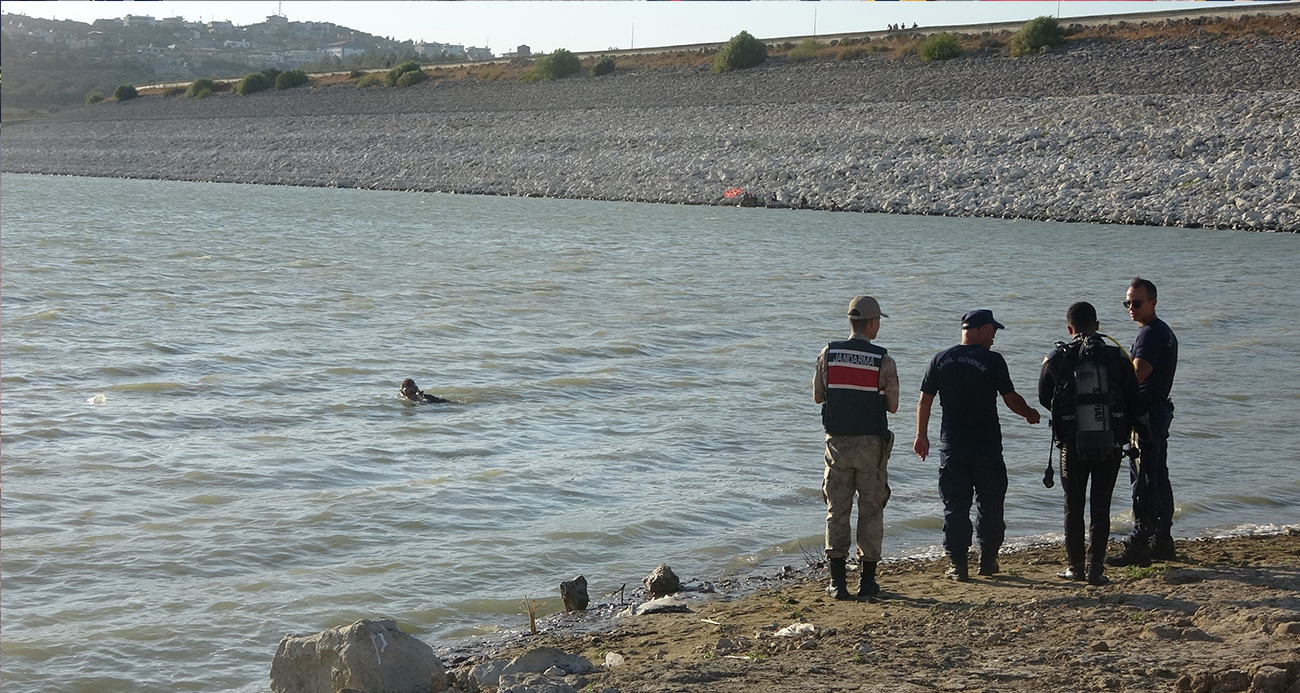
column 1223, row 617
column 1160, row 132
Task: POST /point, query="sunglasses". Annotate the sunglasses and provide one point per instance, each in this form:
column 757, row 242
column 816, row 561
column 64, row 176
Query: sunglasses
column 1135, row 305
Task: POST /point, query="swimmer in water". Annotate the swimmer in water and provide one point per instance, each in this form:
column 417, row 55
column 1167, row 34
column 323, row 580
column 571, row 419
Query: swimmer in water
column 414, row 394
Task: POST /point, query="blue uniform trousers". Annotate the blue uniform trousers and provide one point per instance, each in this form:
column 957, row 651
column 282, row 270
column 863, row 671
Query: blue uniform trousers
column 981, row 476
column 1153, row 497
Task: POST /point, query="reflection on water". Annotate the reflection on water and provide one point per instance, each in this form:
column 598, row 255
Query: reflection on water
column 635, row 389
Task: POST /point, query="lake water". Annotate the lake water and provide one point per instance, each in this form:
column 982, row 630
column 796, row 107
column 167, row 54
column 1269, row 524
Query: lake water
column 634, row 385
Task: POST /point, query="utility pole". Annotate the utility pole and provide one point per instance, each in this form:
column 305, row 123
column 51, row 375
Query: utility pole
column 633, row 34
column 814, row 21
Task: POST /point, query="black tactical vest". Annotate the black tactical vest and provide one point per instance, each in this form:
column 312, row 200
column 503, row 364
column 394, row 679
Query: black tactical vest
column 855, row 401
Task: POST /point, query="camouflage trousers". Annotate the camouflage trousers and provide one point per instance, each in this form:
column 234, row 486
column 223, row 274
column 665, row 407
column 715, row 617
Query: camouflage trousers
column 856, row 465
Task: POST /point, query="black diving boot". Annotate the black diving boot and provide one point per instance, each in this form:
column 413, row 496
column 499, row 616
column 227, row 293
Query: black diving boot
column 839, row 587
column 868, row 588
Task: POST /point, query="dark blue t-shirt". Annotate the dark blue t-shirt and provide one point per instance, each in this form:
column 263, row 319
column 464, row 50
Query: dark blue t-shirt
column 968, row 380
column 1156, row 344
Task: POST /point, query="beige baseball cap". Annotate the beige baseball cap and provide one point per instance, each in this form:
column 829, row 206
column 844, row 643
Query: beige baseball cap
column 864, row 308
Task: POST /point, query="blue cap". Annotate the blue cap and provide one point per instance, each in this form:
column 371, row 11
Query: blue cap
column 979, row 318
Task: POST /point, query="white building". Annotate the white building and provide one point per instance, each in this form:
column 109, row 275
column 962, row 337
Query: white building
column 139, row 20
column 345, row 49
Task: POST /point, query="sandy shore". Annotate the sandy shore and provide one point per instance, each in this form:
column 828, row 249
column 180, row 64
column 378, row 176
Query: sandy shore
column 1224, row 617
column 1176, row 132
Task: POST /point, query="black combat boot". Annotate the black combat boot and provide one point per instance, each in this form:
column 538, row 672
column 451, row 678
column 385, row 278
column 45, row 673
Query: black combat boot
column 1162, row 548
column 989, row 563
column 959, row 570
column 1097, row 575
column 839, row 587
column 1136, row 553
column 867, row 587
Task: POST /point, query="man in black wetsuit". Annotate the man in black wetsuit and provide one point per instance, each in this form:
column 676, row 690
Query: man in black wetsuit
column 1092, row 392
column 412, row 393
column 968, row 379
column 1155, row 358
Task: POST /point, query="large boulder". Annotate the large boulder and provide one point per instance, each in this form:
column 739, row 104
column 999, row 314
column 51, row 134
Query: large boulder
column 370, row 655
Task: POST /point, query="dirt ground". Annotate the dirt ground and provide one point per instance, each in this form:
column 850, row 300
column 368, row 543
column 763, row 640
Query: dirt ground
column 1224, row 617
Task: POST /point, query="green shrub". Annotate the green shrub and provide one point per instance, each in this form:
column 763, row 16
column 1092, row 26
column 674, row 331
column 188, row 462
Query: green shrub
column 173, row 91
column 356, row 74
column 290, row 79
column 559, row 64
column 124, row 92
column 396, row 73
column 202, row 84
column 409, row 78
column 94, row 97
column 374, row 79
column 741, row 52
column 1036, row 33
column 807, row 49
column 603, row 66
column 272, row 73
column 940, row 47
column 253, row 83
column 852, row 53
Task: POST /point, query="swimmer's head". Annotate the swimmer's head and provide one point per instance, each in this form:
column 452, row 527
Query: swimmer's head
column 409, row 390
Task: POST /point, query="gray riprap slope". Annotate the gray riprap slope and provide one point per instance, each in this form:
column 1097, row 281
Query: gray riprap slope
column 1168, row 133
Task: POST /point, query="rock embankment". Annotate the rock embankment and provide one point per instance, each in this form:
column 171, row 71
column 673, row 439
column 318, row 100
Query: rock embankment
column 1173, row 133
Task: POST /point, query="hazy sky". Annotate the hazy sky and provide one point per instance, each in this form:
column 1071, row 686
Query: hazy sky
column 590, row 25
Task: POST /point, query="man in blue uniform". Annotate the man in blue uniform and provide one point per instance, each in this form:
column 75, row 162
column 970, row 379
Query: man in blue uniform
column 1155, row 358
column 1090, row 388
column 968, row 379
column 856, row 382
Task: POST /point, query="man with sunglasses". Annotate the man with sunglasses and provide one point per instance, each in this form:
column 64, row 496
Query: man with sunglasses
column 1155, row 358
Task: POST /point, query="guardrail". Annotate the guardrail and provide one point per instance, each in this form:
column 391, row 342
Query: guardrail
column 1248, row 8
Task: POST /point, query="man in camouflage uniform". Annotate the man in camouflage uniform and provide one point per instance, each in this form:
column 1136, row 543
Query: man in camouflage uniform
column 856, row 382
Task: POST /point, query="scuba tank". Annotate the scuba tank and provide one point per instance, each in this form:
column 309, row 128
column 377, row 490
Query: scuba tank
column 1085, row 406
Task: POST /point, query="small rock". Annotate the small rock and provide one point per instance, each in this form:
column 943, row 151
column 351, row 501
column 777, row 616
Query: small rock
column 556, row 672
column 614, row 659
column 1292, row 628
column 1100, row 646
column 724, row 646
column 574, row 594
column 662, row 581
